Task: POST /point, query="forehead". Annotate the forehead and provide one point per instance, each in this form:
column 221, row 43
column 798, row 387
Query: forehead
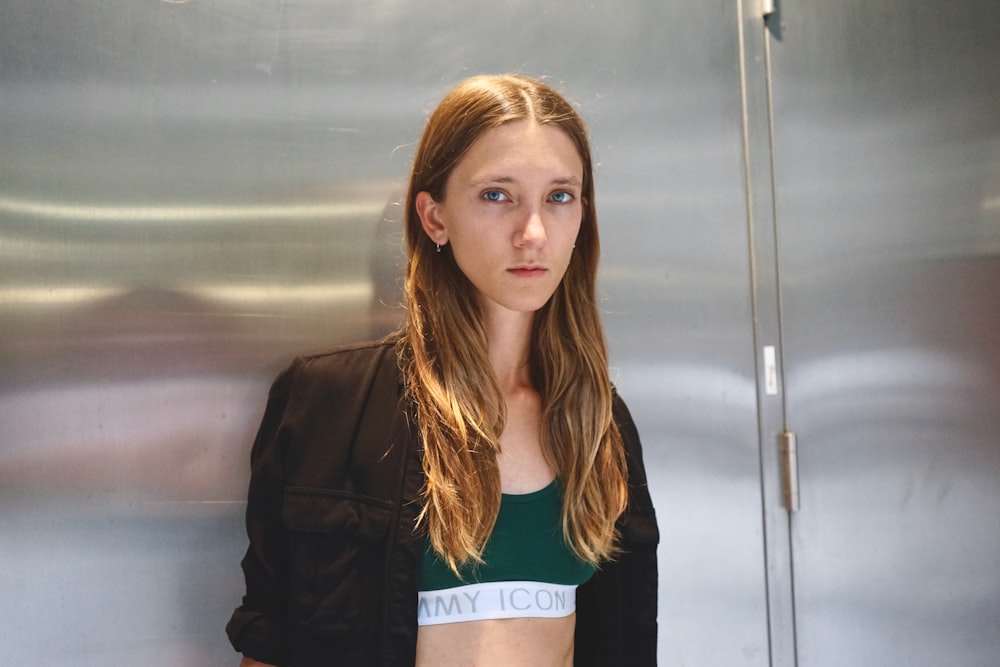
column 522, row 148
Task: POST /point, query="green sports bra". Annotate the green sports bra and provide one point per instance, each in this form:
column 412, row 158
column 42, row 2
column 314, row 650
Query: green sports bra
column 526, row 545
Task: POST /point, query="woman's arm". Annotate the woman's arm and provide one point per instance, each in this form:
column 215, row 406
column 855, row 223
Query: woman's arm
column 257, row 627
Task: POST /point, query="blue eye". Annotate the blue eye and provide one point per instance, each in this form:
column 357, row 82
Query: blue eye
column 494, row 195
column 561, row 197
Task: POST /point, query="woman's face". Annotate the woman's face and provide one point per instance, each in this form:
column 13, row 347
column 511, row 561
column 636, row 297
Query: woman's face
column 511, row 212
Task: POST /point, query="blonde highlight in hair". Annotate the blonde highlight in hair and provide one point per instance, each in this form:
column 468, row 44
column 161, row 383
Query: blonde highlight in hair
column 443, row 350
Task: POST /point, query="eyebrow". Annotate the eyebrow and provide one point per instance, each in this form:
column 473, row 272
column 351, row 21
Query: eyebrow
column 568, row 180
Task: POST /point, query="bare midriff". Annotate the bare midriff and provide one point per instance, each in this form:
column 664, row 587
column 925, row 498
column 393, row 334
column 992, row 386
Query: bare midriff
column 539, row 642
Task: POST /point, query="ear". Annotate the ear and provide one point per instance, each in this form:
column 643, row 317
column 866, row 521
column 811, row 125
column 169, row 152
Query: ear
column 429, row 212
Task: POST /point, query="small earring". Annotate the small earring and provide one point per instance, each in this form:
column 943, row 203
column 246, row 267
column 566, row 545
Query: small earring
column 438, row 247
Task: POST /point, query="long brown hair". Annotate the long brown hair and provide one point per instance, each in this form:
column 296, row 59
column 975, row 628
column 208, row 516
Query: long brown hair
column 443, row 350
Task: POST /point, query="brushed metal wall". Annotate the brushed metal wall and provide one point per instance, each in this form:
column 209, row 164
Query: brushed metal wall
column 191, row 192
column 887, row 163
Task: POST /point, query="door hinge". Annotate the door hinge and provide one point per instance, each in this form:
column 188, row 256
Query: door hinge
column 789, row 470
column 766, row 8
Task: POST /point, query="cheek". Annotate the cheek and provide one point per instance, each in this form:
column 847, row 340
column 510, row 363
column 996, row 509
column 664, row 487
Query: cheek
column 567, row 244
column 573, row 231
column 471, row 259
column 468, row 224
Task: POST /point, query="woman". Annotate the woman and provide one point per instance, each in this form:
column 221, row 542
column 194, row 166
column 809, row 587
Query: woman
column 470, row 490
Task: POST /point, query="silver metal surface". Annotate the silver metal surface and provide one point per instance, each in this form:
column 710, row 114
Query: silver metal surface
column 191, row 192
column 887, row 130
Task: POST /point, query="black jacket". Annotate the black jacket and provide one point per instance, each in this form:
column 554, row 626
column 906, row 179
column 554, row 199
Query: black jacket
column 331, row 571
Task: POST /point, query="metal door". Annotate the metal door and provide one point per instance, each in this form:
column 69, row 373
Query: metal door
column 886, row 141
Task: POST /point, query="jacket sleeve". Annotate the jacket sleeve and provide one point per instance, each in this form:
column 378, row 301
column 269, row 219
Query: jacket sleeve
column 258, row 627
column 617, row 608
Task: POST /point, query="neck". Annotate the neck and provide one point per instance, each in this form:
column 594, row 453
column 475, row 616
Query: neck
column 509, row 341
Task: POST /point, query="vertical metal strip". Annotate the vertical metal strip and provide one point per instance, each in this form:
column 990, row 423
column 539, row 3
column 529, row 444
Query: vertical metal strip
column 766, row 314
column 775, row 229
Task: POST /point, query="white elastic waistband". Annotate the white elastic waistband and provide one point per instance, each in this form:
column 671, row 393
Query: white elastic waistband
column 496, row 599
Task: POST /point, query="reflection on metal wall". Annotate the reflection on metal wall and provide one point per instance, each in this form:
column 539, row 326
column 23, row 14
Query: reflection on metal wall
column 191, row 192
column 887, row 126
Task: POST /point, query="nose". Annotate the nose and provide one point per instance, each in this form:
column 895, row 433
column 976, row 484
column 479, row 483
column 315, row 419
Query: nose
column 532, row 232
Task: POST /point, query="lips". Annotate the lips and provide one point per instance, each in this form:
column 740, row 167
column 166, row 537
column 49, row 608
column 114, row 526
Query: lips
column 527, row 271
